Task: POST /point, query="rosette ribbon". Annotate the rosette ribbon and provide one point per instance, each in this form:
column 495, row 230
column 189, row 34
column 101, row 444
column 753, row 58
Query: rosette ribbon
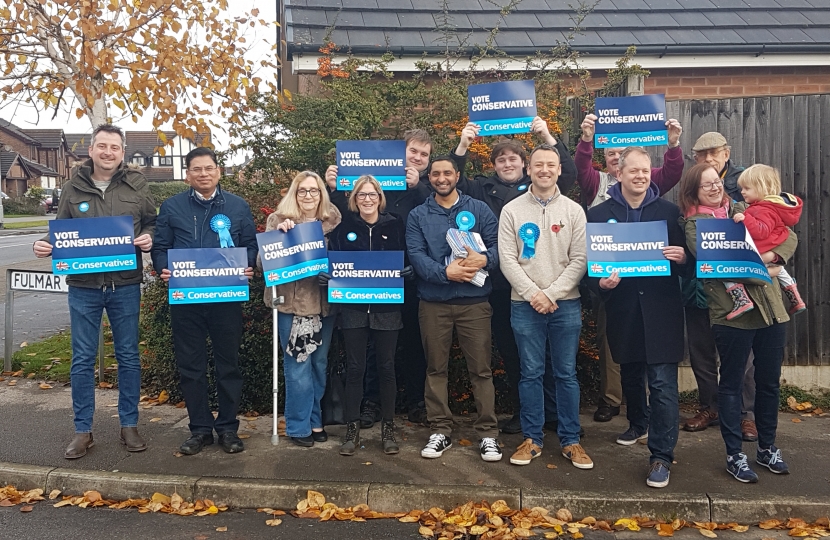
column 529, row 233
column 221, row 225
column 465, row 220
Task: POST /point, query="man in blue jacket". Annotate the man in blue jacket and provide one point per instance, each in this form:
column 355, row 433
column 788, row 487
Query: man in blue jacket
column 186, row 221
column 450, row 299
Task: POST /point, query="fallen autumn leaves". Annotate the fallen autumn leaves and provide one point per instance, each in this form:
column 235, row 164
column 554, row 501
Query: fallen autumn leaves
column 485, row 521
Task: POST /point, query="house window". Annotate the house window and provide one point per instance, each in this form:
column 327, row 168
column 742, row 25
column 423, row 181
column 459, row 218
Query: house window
column 138, row 159
column 165, row 161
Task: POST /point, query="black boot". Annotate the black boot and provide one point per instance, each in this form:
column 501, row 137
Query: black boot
column 387, row 435
column 352, row 439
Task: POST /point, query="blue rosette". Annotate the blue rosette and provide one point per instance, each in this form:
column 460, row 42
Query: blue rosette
column 529, row 233
column 465, row 220
column 221, row 225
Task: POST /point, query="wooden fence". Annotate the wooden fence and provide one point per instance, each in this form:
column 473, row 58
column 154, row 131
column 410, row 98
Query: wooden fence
column 792, row 134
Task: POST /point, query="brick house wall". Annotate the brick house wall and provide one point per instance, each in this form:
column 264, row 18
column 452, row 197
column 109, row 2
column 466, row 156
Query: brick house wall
column 20, row 146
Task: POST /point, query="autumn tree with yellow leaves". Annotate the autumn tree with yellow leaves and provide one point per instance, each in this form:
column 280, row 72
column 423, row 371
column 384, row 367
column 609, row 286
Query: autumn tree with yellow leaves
column 182, row 60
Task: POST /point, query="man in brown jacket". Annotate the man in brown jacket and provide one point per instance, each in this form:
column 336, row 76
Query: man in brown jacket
column 105, row 186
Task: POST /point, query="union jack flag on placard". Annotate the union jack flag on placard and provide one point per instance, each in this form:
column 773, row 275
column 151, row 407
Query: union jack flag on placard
column 602, row 139
column 274, row 276
column 596, row 268
column 706, row 268
column 337, row 294
column 178, row 295
column 344, row 182
column 62, row 266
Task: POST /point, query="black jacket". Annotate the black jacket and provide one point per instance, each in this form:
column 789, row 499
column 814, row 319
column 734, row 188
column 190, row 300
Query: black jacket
column 730, row 181
column 386, row 234
column 645, row 314
column 184, row 222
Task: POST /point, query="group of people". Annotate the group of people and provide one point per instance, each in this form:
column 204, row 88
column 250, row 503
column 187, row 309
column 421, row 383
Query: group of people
column 517, row 278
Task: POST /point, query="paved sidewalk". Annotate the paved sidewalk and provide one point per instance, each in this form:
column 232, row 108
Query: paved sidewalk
column 36, row 425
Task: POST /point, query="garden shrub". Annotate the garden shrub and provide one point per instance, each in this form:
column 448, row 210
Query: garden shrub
column 162, row 191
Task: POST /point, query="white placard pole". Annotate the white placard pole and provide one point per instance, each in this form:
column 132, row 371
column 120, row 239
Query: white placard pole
column 276, row 301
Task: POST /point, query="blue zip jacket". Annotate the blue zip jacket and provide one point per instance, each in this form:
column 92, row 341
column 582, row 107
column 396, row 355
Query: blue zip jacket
column 426, row 240
column 184, row 223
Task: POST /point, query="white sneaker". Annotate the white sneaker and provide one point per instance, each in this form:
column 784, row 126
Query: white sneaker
column 490, row 450
column 436, row 446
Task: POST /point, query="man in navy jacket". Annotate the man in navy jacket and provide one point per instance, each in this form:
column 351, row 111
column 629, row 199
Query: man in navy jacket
column 184, row 222
column 450, row 300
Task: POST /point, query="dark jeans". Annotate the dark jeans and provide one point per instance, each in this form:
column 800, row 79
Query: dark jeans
column 191, row 325
column 413, row 364
column 734, row 345
column 385, row 342
column 371, row 383
column 658, row 412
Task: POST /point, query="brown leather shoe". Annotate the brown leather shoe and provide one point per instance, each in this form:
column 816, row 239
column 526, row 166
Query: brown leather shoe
column 702, row 420
column 132, row 440
column 79, row 445
column 749, row 432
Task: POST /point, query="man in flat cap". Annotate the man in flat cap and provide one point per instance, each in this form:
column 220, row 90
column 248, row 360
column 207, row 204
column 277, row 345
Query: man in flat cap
column 713, row 149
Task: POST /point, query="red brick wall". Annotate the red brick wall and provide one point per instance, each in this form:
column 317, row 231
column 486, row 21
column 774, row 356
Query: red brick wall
column 18, row 145
column 702, row 83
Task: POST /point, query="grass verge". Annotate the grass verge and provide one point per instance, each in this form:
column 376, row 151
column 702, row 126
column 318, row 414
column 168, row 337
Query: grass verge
column 25, row 224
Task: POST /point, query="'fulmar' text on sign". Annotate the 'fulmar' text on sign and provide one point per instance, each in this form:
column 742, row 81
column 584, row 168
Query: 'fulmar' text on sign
column 207, row 275
column 385, row 160
column 88, row 245
column 630, row 249
column 631, row 121
column 366, row 277
column 297, row 254
column 502, row 108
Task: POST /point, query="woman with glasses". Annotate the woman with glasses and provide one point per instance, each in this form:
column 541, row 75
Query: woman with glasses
column 367, row 227
column 761, row 331
column 305, row 320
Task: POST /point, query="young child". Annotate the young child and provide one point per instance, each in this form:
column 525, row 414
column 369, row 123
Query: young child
column 767, row 219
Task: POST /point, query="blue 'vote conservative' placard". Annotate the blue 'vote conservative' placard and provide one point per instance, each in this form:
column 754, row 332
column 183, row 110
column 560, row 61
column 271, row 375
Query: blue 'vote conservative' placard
column 502, row 108
column 385, row 160
column 630, row 249
column 366, row 277
column 726, row 251
column 207, row 275
column 297, row 254
column 631, row 121
column 89, row 245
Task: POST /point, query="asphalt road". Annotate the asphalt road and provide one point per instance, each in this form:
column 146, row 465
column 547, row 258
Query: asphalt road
column 36, row 315
column 70, row 523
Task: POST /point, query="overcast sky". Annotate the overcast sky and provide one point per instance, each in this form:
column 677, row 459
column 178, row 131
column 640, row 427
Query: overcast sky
column 28, row 118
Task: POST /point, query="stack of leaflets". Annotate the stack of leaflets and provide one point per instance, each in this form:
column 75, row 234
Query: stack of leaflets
column 459, row 241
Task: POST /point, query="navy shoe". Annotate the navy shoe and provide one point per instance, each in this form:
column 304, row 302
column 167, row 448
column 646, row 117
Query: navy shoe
column 738, row 467
column 319, row 436
column 658, row 475
column 771, row 459
column 631, row 436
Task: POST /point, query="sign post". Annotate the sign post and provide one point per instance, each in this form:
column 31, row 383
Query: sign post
column 276, row 301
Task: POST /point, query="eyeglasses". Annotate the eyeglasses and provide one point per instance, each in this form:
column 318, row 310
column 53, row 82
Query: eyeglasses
column 200, row 170
column 711, row 185
column 703, row 154
column 303, row 193
column 363, row 195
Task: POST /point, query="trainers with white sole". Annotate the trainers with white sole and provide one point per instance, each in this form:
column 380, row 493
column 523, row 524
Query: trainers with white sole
column 490, row 450
column 436, row 446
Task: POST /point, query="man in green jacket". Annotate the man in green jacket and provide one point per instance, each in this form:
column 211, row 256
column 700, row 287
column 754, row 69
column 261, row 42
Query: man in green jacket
column 105, row 186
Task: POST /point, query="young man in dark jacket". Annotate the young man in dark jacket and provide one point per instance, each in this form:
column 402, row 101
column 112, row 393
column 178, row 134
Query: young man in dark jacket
column 105, row 186
column 645, row 317
column 510, row 180
column 185, row 221
column 450, row 300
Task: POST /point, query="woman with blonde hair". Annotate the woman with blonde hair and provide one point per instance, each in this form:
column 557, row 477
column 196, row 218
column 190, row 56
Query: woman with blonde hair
column 367, row 227
column 305, row 320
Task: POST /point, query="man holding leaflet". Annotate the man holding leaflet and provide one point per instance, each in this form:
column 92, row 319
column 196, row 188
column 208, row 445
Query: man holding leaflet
column 105, row 186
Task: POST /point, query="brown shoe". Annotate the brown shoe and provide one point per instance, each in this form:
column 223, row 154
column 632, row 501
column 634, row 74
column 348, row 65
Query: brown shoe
column 701, row 421
column 525, row 453
column 79, row 445
column 132, row 440
column 578, row 457
column 749, row 432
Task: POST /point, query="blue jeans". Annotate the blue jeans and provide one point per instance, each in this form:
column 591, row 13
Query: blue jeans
column 561, row 330
column 734, row 345
column 305, row 382
column 658, row 412
column 86, row 307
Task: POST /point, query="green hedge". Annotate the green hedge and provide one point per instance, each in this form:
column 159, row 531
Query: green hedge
column 24, row 206
column 164, row 190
